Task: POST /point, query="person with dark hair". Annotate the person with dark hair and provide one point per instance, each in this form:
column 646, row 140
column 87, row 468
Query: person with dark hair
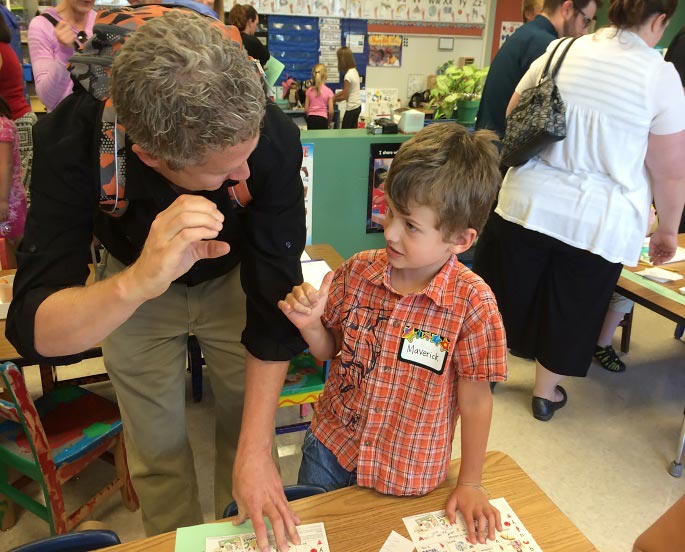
column 246, row 19
column 559, row 18
column 351, row 92
column 569, row 219
column 13, row 90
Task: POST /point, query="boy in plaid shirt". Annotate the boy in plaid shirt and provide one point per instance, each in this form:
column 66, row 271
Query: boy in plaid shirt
column 419, row 335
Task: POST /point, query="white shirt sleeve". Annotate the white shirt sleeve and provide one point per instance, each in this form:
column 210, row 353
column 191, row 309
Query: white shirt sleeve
column 667, row 101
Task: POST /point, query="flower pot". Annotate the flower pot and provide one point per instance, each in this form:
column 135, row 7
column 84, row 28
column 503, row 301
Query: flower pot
column 467, row 111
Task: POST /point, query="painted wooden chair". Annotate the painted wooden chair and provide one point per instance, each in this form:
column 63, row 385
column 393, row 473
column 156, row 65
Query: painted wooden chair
column 304, row 383
column 51, row 440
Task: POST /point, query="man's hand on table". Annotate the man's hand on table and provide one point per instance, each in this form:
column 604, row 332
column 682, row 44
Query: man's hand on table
column 258, row 491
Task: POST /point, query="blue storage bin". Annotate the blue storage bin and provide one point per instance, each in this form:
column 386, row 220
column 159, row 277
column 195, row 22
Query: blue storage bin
column 28, row 72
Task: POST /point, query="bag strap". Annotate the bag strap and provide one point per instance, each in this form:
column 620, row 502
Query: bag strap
column 561, row 58
column 50, row 18
column 54, row 22
column 555, row 70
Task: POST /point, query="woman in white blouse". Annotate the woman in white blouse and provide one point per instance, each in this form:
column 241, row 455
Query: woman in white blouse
column 567, row 220
column 351, row 92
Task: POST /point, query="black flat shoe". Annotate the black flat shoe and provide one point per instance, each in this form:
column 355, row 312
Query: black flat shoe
column 544, row 409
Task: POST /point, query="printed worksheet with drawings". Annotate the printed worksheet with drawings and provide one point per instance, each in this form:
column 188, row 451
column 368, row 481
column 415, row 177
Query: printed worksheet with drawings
column 432, row 532
column 313, row 538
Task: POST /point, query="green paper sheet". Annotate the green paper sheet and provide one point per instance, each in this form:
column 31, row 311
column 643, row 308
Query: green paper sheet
column 192, row 539
column 653, row 286
column 273, row 70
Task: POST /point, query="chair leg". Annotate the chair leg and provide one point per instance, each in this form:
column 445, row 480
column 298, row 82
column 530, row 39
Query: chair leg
column 128, row 493
column 679, row 330
column 677, row 464
column 47, row 377
column 7, row 513
column 626, row 330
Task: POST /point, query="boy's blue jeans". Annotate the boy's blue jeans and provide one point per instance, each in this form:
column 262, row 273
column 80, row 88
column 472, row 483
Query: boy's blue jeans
column 320, row 466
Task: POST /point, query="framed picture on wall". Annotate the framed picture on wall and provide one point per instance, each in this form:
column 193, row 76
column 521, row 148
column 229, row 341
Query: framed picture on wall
column 446, row 43
column 380, row 160
column 385, row 50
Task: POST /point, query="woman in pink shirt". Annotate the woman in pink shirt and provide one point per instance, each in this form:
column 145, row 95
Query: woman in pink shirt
column 52, row 40
column 318, row 105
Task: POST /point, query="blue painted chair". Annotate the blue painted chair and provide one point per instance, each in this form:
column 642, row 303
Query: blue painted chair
column 80, row 541
column 51, row 441
column 292, row 492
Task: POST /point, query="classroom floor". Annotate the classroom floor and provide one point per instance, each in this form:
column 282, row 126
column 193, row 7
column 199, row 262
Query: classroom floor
column 603, row 459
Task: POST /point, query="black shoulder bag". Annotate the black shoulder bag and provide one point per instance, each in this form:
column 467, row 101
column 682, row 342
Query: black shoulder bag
column 539, row 118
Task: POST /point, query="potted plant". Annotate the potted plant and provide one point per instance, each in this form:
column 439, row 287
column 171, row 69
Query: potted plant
column 460, row 89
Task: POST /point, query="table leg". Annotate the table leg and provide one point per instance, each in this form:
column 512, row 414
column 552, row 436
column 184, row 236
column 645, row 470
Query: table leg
column 47, row 377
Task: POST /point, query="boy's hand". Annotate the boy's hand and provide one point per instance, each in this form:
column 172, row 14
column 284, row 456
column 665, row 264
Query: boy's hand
column 474, row 506
column 305, row 304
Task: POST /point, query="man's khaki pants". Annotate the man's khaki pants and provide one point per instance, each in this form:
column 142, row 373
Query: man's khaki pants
column 146, row 361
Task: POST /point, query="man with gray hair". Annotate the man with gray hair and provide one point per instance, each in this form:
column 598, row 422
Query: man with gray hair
column 196, row 122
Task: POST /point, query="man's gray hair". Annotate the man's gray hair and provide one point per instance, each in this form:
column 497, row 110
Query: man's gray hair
column 182, row 89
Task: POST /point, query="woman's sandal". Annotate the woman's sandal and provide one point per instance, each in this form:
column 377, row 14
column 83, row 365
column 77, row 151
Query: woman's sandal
column 608, row 359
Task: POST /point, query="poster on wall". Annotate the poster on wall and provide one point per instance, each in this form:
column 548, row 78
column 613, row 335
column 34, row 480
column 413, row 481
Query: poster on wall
column 508, row 28
column 381, row 158
column 385, row 50
column 380, row 102
column 307, row 175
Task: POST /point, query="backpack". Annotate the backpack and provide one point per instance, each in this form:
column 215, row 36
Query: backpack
column 90, row 68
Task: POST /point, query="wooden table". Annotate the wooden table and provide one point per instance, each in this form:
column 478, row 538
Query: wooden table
column 652, row 300
column 359, row 520
column 47, row 372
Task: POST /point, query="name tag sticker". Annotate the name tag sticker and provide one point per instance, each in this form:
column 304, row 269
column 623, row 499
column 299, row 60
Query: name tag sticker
column 424, row 349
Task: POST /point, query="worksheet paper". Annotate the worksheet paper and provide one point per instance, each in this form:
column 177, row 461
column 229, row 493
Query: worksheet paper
column 644, row 254
column 397, row 543
column 432, row 532
column 314, row 271
column 313, row 538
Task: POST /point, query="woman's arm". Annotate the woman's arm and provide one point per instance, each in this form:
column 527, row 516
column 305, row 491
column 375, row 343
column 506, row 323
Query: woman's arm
column 665, row 164
column 51, row 76
column 306, row 104
column 331, row 108
column 343, row 94
column 512, row 102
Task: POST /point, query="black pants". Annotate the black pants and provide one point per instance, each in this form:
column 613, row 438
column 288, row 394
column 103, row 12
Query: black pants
column 351, row 118
column 553, row 297
column 316, row 122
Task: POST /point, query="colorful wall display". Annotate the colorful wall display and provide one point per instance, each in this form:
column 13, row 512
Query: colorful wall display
column 381, row 158
column 467, row 12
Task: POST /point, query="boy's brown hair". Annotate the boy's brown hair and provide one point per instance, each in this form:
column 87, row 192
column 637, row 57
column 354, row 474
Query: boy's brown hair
column 449, row 170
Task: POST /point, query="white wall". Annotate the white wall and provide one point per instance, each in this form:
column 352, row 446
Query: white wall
column 422, row 57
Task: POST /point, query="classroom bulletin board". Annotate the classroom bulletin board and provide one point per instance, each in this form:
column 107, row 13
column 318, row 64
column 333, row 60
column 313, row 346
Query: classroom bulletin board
column 466, row 12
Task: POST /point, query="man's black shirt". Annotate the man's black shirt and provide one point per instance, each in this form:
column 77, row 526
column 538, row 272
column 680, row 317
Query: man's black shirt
column 266, row 238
